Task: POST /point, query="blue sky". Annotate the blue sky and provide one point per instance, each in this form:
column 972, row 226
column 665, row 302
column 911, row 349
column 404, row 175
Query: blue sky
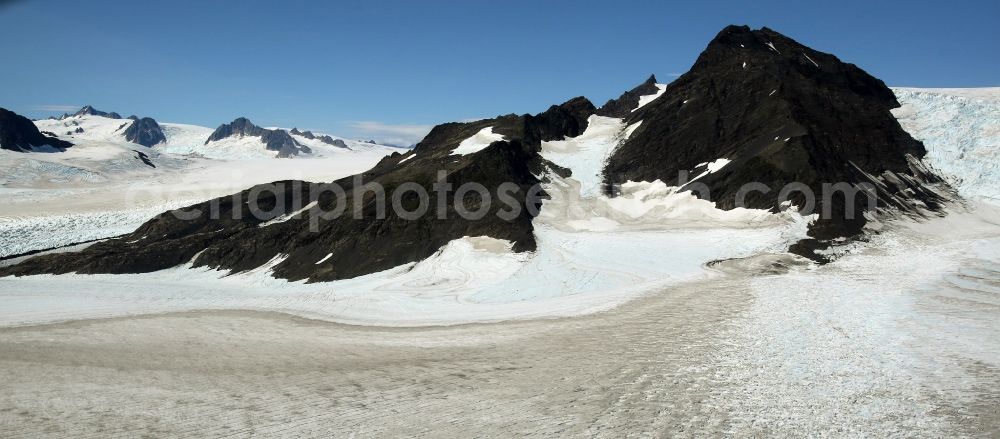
column 391, row 69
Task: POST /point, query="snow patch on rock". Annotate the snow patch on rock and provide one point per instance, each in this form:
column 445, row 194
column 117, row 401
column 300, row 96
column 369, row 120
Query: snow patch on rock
column 477, row 142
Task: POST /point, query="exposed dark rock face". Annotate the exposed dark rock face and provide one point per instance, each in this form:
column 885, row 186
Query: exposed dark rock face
column 782, row 113
column 323, row 138
column 274, row 140
column 306, row 134
column 358, row 246
column 145, row 132
column 18, row 133
column 628, row 101
column 91, row 111
column 241, row 127
column 336, row 142
column 566, row 120
column 283, row 143
column 145, row 158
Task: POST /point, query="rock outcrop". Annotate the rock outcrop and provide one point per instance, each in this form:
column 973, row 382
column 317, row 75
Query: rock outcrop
column 91, row 111
column 322, row 138
column 144, row 131
column 628, row 101
column 18, row 133
column 781, row 114
column 274, row 140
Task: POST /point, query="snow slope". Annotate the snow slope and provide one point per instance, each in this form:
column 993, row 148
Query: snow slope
column 961, row 130
column 643, row 100
column 477, row 142
column 587, row 153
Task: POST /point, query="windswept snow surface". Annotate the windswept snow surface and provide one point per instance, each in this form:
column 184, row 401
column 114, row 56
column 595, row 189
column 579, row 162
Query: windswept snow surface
column 901, row 334
column 961, row 130
column 477, row 142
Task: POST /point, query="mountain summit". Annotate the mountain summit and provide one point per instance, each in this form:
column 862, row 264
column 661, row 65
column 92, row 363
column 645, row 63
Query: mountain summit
column 274, row 140
column 91, row 111
column 778, row 113
column 144, row 131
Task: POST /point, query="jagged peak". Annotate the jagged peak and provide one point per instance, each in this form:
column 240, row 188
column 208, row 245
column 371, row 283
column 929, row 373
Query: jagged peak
column 89, row 110
column 628, row 101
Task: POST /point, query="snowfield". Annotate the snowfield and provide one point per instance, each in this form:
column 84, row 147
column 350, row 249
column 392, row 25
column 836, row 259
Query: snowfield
column 477, row 142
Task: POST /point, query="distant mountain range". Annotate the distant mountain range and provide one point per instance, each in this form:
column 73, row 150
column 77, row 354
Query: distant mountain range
column 240, row 134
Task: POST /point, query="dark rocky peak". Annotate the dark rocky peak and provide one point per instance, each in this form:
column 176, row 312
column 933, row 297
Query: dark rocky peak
column 740, row 48
column 307, row 134
column 566, row 120
column 781, row 113
column 335, row 142
column 91, row 111
column 144, row 131
column 283, row 143
column 18, row 133
column 322, row 138
column 331, row 141
column 239, row 127
column 133, row 117
column 628, row 101
column 274, row 140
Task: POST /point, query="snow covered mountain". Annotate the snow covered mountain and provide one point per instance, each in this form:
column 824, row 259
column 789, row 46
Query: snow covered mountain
column 238, row 140
column 274, row 140
column 756, row 106
column 87, row 110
